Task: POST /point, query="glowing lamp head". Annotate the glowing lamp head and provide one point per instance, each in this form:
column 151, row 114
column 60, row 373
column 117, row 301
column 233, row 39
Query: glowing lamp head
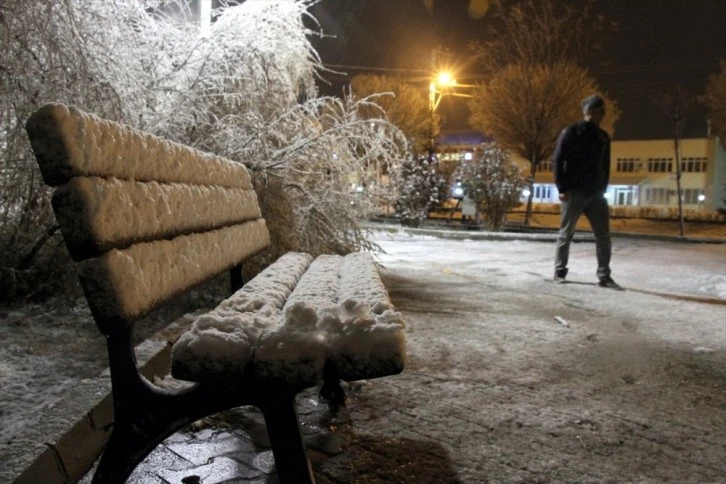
column 445, row 79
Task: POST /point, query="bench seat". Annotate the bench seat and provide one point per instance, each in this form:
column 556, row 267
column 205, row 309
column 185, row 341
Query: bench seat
column 295, row 321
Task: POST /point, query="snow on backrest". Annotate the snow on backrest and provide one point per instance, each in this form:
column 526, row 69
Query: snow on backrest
column 148, row 218
column 123, row 285
column 68, row 142
column 99, row 214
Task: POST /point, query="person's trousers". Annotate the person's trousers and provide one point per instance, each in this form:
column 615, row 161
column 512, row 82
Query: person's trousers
column 595, row 208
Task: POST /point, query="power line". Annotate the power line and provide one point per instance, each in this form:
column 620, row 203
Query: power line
column 599, row 69
column 375, row 68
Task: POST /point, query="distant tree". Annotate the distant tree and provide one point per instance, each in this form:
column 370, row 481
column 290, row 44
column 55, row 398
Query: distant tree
column 494, row 182
column 676, row 104
column 524, row 107
column 405, row 105
column 416, row 183
column 534, row 84
column 715, row 100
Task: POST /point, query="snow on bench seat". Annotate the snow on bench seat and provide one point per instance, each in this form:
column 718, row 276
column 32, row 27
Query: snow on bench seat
column 365, row 337
column 272, row 334
column 219, row 347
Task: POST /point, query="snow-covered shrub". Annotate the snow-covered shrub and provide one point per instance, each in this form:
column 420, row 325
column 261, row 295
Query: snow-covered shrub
column 493, row 181
column 416, row 183
column 244, row 89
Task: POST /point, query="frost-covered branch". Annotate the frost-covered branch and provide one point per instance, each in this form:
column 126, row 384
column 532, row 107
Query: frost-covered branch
column 244, row 90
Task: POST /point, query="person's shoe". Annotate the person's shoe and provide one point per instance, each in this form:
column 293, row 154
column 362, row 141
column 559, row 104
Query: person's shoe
column 610, row 284
column 560, row 275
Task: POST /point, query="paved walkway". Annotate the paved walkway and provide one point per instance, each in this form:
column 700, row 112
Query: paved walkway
column 633, row 389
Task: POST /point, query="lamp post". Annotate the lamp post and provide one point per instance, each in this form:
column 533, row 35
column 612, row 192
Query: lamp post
column 444, row 81
column 441, row 85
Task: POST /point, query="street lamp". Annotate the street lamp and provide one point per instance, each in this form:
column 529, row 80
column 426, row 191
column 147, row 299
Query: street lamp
column 441, row 85
column 443, row 80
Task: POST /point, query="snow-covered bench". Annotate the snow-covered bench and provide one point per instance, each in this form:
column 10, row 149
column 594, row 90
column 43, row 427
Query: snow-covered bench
column 147, row 220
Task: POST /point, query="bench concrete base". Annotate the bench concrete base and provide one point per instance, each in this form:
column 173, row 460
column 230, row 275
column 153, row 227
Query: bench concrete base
column 68, row 438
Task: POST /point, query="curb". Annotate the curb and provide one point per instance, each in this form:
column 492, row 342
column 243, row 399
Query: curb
column 477, row 235
column 539, row 234
column 71, row 434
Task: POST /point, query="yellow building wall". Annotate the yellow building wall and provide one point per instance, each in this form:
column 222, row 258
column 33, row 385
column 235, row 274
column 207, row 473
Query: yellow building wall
column 711, row 183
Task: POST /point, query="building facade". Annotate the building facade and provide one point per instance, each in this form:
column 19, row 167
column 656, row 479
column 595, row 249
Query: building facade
column 643, row 173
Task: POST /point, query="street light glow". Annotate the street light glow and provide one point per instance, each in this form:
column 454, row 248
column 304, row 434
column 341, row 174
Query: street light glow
column 445, row 79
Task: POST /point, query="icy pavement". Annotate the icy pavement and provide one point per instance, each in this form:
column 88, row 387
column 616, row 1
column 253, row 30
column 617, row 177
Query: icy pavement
column 633, row 389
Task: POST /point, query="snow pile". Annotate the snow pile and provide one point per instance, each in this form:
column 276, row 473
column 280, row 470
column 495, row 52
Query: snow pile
column 338, row 314
column 360, row 281
column 68, row 142
column 219, row 346
column 125, row 284
column 365, row 335
column 107, row 213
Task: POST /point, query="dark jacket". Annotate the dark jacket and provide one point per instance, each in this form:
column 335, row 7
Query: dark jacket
column 582, row 159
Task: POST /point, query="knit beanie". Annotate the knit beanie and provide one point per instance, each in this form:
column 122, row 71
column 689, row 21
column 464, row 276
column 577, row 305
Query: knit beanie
column 592, row 102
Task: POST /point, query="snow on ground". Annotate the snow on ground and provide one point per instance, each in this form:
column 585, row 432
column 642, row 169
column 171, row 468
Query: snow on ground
column 680, row 268
column 45, row 351
column 660, row 278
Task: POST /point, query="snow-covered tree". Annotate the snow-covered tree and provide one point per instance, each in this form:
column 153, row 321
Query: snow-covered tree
column 493, row 181
column 244, row 89
column 416, row 183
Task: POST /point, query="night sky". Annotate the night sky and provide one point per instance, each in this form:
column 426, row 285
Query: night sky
column 658, row 44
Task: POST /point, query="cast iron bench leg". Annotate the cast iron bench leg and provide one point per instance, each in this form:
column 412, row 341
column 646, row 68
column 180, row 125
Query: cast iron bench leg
column 120, row 457
column 287, row 445
column 332, row 391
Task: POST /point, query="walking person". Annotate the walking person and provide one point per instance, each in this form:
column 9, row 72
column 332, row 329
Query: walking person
column 581, row 165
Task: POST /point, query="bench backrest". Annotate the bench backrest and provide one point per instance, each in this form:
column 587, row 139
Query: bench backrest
column 147, row 219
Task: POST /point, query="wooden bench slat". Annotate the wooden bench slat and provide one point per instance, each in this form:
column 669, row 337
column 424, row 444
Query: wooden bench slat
column 335, row 316
column 360, row 281
column 318, row 287
column 123, row 285
column 219, row 346
column 68, row 143
column 372, row 344
column 272, row 286
column 99, row 214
